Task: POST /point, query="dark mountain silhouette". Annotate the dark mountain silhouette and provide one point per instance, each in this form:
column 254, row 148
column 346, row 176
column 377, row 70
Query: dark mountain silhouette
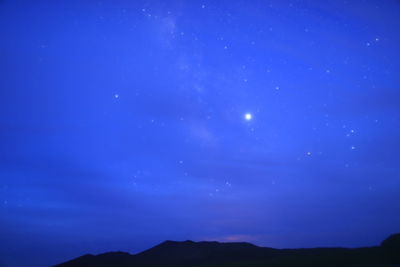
column 189, row 253
column 391, row 249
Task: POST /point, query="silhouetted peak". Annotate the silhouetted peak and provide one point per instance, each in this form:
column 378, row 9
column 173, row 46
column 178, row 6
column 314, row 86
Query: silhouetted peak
column 86, row 256
column 185, row 252
column 391, row 249
column 171, row 242
column 392, row 241
column 83, row 260
column 213, row 253
column 114, row 254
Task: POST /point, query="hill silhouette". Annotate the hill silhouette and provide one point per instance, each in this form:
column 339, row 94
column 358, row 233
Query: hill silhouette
column 189, row 253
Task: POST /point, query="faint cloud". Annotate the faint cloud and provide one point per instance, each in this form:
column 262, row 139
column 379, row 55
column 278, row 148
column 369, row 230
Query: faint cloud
column 234, row 238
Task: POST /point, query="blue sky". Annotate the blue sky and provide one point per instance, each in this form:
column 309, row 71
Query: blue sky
column 123, row 124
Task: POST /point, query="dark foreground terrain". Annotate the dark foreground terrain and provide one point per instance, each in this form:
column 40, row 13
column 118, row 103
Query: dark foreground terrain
column 188, row 253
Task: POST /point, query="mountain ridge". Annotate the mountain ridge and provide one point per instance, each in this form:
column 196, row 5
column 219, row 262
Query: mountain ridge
column 213, row 253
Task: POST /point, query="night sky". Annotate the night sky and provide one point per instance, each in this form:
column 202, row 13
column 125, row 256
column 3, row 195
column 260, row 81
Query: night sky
column 126, row 123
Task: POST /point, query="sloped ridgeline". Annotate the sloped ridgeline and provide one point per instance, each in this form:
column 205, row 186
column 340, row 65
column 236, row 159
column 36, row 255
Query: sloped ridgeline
column 188, row 253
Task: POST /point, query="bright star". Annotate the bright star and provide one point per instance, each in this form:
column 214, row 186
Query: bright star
column 248, row 116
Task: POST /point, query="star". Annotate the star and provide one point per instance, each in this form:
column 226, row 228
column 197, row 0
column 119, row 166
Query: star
column 248, row 116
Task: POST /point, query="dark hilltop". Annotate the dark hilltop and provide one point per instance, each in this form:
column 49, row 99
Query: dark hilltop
column 189, row 253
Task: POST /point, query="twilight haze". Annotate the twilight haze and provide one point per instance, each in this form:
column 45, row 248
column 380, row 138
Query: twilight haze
column 127, row 123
